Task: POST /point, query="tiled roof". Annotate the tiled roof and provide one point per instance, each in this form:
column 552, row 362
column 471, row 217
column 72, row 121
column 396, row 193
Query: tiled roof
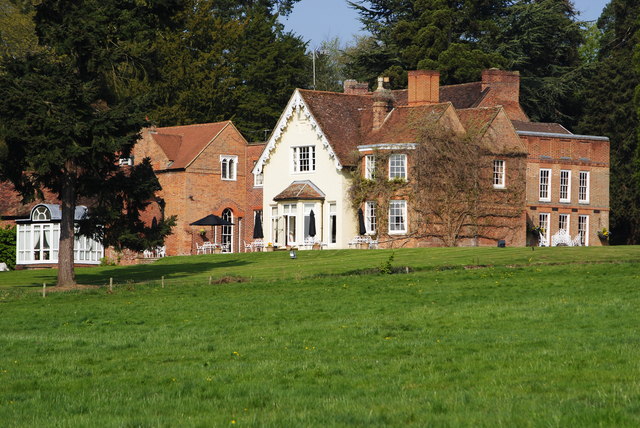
column 400, row 125
column 465, row 95
column 182, row 144
column 475, row 119
column 305, row 190
column 343, row 119
column 553, row 128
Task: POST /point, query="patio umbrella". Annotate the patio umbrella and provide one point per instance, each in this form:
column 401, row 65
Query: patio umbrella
column 312, row 224
column 362, row 229
column 211, row 220
column 257, row 227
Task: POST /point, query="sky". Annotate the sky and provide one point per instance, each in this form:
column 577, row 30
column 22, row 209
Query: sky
column 318, row 20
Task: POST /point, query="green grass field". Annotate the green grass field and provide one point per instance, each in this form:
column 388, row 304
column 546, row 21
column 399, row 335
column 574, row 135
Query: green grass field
column 524, row 338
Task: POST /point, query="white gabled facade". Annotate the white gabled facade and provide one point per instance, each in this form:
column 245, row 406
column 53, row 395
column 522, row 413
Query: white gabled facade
column 298, row 151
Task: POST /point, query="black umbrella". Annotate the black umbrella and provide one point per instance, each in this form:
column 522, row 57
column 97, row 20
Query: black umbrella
column 362, row 229
column 211, row 220
column 257, row 227
column 312, row 224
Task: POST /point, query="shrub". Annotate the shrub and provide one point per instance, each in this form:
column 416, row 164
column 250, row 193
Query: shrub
column 8, row 245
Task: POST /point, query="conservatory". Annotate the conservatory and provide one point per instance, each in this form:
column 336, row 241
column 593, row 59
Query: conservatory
column 39, row 238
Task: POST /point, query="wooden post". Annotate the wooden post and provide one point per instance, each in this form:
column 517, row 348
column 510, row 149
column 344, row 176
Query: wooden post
column 44, row 289
column 163, row 281
column 210, row 279
column 110, row 285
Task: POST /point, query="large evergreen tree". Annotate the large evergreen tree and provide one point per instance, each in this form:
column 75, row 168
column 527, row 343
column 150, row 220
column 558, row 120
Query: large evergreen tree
column 228, row 60
column 66, row 111
column 610, row 110
column 539, row 38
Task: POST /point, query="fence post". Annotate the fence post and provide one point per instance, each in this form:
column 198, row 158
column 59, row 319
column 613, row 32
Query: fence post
column 110, row 285
column 44, row 289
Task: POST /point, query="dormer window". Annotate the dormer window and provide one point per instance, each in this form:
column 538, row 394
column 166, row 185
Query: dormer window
column 229, row 167
column 41, row 213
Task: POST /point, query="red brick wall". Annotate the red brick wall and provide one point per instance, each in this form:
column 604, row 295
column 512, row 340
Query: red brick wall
column 199, row 190
column 575, row 155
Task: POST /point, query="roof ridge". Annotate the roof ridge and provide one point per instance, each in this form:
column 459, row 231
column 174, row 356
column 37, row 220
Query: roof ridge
column 193, row 125
column 461, row 84
column 334, row 93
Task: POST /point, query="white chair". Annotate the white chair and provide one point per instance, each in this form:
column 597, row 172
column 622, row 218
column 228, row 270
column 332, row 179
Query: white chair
column 542, row 241
column 561, row 238
column 161, row 251
column 199, row 249
column 147, row 254
column 257, row 244
column 248, row 248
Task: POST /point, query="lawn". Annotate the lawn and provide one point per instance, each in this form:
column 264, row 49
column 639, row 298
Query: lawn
column 518, row 338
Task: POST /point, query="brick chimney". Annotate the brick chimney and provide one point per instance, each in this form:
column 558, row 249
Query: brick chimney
column 505, row 85
column 353, row 87
column 424, row 87
column 382, row 103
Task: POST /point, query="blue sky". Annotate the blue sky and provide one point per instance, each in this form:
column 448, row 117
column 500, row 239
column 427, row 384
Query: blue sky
column 318, row 20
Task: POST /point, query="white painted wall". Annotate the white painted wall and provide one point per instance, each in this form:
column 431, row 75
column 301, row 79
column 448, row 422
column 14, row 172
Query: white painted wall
column 298, row 130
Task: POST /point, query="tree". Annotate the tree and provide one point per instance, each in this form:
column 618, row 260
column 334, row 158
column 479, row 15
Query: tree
column 67, row 111
column 610, row 109
column 17, row 30
column 228, row 60
column 539, row 38
column 329, row 66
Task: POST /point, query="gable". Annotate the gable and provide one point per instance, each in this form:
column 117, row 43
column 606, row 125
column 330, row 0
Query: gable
column 494, row 129
column 296, row 104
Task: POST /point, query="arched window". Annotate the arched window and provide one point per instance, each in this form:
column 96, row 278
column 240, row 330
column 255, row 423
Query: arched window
column 41, row 213
column 227, row 231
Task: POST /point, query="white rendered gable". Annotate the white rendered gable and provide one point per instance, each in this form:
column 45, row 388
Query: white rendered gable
column 296, row 103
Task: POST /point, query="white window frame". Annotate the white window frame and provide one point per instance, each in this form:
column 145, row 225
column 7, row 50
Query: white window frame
column 307, row 208
column 499, row 173
column 544, row 221
column 370, row 220
column 567, row 222
column 86, row 250
column 229, row 167
column 565, row 185
column 583, row 229
column 544, row 185
column 303, row 159
column 397, row 210
column 370, row 167
column 258, row 179
column 398, row 166
column 290, row 214
column 583, row 187
column 333, row 218
column 274, row 225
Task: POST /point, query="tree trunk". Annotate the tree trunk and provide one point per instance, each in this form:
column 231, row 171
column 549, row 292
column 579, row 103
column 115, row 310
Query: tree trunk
column 66, row 272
